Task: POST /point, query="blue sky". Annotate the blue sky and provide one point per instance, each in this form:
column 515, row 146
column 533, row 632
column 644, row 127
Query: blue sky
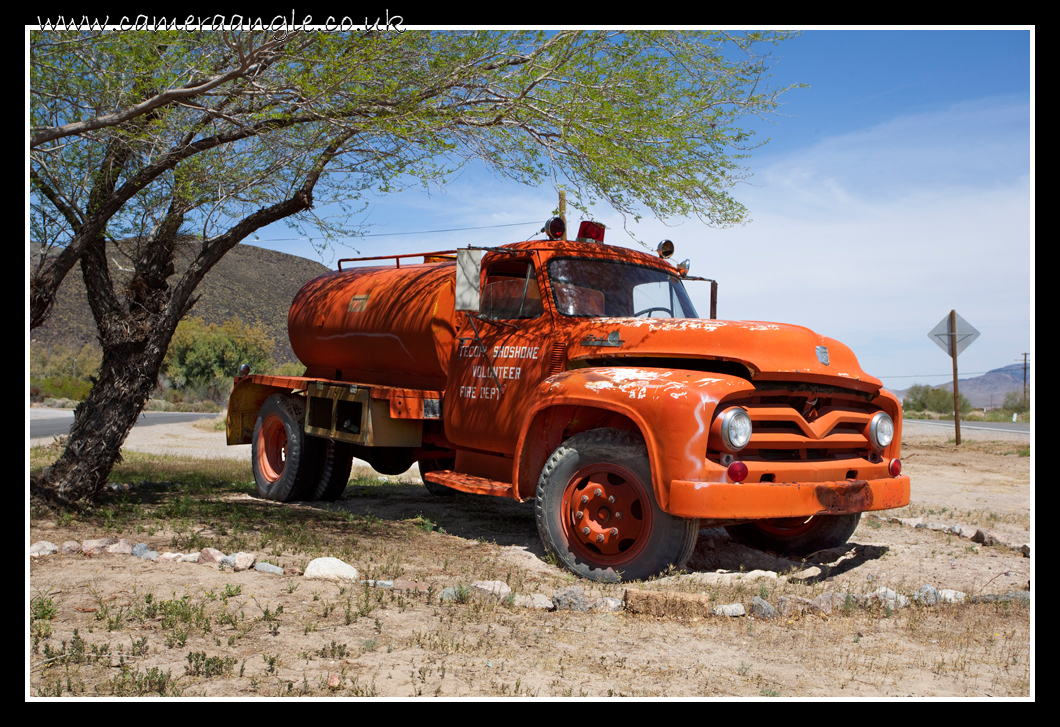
column 896, row 187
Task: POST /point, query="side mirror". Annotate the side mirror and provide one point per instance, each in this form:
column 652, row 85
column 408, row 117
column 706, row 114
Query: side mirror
column 468, row 279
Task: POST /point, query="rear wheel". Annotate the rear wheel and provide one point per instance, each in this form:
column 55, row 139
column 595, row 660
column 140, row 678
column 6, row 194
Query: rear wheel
column 433, row 465
column 335, row 471
column 390, row 460
column 597, row 513
column 286, row 460
column 796, row 535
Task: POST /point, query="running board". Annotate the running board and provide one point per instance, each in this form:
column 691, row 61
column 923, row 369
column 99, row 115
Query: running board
column 470, row 483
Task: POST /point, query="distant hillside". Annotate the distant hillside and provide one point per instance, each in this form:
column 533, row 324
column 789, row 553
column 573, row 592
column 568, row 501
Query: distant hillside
column 255, row 284
column 988, row 389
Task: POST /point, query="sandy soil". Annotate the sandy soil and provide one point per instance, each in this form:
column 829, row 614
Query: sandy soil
column 409, row 644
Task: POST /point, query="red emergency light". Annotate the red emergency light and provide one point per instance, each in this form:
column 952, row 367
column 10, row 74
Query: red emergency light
column 590, row 232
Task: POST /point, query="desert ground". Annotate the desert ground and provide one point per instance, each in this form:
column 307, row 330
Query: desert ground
column 116, row 625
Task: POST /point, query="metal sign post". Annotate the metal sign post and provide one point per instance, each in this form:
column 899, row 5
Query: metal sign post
column 953, row 334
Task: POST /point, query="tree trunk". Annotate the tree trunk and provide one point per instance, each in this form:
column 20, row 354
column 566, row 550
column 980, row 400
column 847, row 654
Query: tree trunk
column 134, row 335
column 103, row 421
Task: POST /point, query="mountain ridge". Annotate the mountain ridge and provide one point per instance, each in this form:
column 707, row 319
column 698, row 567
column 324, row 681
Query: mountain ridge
column 253, row 283
column 986, row 390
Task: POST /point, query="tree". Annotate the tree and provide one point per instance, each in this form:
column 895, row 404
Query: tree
column 138, row 136
column 921, row 397
column 1015, row 401
column 203, row 355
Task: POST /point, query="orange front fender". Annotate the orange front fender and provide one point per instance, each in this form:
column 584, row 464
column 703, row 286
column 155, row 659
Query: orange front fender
column 672, row 409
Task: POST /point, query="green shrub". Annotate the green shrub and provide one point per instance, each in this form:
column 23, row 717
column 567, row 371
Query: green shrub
column 287, row 369
column 203, row 357
column 61, row 371
column 921, row 397
column 61, row 387
column 1015, row 401
column 62, row 361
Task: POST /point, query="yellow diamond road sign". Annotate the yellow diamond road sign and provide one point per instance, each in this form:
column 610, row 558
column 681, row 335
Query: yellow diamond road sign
column 940, row 334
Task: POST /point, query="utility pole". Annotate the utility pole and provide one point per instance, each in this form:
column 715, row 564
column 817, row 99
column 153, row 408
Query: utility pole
column 1025, row 379
column 956, row 396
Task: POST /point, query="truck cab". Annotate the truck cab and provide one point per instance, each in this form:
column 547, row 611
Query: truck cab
column 577, row 376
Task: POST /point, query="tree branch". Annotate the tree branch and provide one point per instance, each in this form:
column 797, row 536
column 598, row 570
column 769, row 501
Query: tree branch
column 251, row 63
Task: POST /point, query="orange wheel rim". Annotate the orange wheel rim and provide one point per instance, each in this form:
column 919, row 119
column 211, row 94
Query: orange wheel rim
column 606, row 514
column 272, row 448
column 786, row 527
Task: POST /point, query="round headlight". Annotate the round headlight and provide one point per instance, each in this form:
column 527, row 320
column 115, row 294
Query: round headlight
column 881, row 430
column 735, row 428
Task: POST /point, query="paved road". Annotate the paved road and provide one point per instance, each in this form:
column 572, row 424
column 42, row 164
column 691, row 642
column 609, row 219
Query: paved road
column 1014, row 428
column 56, row 422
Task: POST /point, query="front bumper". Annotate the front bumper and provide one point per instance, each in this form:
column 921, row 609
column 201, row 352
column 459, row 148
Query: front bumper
column 762, row 500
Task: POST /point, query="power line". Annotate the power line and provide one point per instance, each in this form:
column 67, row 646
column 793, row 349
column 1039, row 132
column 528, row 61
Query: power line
column 420, row 232
column 916, row 376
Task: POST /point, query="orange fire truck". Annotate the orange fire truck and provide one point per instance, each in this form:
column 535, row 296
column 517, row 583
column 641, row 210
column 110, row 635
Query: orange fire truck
column 577, row 376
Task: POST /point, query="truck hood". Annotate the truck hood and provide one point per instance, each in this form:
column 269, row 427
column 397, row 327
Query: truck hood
column 776, row 351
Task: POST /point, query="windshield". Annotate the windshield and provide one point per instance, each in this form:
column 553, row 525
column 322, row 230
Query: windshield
column 588, row 288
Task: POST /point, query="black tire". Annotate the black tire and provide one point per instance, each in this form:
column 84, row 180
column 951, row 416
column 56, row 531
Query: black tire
column 390, row 460
column 433, row 465
column 615, row 463
column 334, row 472
column 796, row 536
column 285, row 459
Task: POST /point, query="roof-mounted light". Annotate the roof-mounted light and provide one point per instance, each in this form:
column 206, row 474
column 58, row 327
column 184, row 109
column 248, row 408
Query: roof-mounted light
column 590, row 232
column 555, row 228
column 665, row 249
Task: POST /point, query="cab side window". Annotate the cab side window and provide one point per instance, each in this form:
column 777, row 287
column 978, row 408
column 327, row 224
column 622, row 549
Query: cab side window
column 511, row 292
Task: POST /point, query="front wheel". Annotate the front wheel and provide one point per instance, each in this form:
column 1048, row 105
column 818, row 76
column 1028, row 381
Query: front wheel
column 597, row 514
column 796, row 536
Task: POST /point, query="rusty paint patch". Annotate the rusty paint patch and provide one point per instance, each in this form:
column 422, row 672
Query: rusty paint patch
column 845, row 497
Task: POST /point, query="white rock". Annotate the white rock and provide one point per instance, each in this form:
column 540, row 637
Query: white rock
column 534, row 601
column 754, row 575
column 93, row 547
column 729, row 609
column 168, row 558
column 245, row 561
column 330, row 569
column 491, row 589
column 42, row 547
column 122, row 547
column 948, row 595
column 210, row 555
column 889, row 597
